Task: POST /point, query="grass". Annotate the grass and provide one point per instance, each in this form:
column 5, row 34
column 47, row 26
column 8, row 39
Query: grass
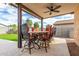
column 12, row 37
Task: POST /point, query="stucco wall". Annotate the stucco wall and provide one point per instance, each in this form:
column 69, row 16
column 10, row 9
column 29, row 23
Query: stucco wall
column 76, row 22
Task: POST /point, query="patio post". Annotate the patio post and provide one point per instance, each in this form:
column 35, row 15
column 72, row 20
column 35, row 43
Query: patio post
column 41, row 24
column 19, row 26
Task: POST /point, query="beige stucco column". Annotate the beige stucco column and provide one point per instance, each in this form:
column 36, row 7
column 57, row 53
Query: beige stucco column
column 76, row 23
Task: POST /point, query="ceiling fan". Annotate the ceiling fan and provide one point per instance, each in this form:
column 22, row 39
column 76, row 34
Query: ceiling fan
column 53, row 8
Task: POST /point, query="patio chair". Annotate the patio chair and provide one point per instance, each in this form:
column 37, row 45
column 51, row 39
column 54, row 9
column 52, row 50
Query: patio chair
column 44, row 40
column 25, row 37
column 36, row 39
column 48, row 35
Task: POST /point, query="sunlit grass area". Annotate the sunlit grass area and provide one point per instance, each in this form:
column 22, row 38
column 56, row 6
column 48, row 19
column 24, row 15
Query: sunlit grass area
column 12, row 37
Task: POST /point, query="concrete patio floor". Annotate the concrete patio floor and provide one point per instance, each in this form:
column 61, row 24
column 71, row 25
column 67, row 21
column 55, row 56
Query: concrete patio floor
column 58, row 47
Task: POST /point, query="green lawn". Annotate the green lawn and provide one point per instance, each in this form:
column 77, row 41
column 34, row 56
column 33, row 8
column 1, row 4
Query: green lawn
column 12, row 37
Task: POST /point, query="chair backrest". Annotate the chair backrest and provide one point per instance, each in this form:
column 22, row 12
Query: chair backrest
column 47, row 28
column 32, row 28
column 24, row 31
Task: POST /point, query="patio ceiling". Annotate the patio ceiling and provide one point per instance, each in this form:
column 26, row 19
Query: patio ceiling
column 39, row 8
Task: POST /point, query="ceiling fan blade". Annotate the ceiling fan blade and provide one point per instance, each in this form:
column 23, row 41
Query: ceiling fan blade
column 49, row 8
column 57, row 7
column 46, row 11
column 56, row 11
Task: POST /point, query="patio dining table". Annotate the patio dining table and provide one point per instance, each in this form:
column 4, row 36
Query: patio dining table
column 32, row 33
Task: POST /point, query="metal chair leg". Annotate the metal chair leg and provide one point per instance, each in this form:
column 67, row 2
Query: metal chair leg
column 45, row 46
column 29, row 47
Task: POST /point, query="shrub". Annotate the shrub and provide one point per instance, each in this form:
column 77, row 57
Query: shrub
column 36, row 25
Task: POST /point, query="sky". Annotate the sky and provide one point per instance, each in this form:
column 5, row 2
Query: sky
column 8, row 15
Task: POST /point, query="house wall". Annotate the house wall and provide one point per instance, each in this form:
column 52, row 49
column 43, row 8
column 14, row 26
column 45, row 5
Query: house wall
column 3, row 29
column 65, row 31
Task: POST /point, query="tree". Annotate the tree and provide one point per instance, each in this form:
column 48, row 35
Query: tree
column 36, row 25
column 13, row 26
column 13, row 29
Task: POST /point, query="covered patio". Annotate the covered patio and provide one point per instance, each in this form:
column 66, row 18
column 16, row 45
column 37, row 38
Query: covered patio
column 58, row 46
column 38, row 10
